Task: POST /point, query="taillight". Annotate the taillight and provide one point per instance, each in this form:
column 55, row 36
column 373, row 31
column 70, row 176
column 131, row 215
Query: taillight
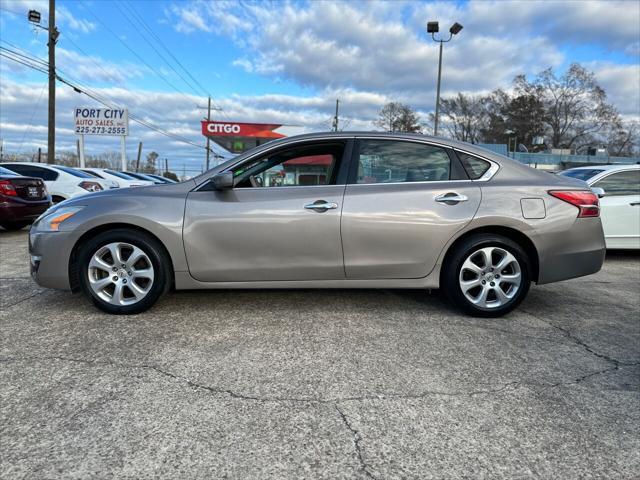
column 586, row 201
column 7, row 188
column 90, row 186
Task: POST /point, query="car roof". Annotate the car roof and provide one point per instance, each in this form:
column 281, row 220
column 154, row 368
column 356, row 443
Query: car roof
column 35, row 164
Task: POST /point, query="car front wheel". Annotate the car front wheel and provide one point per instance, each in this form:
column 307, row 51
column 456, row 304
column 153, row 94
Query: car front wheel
column 486, row 276
column 123, row 271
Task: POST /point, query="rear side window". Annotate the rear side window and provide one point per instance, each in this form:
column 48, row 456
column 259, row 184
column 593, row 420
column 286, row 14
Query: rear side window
column 94, row 174
column 34, row 171
column 123, row 176
column 74, row 172
column 475, row 167
column 392, row 161
column 621, row 183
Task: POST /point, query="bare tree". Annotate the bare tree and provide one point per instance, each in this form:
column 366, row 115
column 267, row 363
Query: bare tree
column 463, row 117
column 624, row 139
column 575, row 106
column 150, row 165
column 398, row 117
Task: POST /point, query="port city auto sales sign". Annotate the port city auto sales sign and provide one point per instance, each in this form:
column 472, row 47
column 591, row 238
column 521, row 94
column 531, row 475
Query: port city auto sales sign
column 101, row 121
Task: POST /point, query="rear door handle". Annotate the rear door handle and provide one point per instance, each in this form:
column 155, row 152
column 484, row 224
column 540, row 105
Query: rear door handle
column 451, row 198
column 321, row 206
column 634, row 204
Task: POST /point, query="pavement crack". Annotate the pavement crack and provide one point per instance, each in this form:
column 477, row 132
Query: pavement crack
column 357, row 438
column 568, row 334
column 9, row 305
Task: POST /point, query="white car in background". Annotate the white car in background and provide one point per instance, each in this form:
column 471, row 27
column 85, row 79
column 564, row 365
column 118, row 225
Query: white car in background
column 62, row 182
column 620, row 205
column 122, row 179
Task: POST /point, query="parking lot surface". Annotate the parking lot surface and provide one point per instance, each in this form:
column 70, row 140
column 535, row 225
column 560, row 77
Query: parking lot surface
column 320, row 384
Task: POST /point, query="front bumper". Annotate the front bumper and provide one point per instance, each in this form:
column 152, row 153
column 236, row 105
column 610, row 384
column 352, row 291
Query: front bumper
column 50, row 254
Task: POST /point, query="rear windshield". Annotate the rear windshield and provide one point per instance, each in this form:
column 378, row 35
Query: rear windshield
column 72, row 171
column 4, row 171
column 121, row 175
column 582, row 173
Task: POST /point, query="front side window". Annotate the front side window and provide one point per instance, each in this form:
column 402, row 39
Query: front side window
column 392, row 161
column 621, row 183
column 296, row 167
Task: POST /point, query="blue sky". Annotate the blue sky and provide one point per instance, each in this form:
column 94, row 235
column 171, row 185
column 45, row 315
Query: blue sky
column 287, row 62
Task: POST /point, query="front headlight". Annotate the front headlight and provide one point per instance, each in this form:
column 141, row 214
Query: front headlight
column 51, row 222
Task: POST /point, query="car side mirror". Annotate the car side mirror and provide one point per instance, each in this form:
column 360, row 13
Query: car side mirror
column 222, row 181
column 598, row 191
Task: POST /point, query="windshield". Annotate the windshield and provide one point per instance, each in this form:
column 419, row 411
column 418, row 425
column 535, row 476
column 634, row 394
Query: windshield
column 71, row 171
column 121, row 175
column 4, row 171
column 581, row 173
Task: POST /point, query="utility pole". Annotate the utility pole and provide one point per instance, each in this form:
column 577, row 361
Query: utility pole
column 166, row 165
column 335, row 118
column 53, row 36
column 39, row 154
column 1, row 149
column 208, row 120
column 138, row 159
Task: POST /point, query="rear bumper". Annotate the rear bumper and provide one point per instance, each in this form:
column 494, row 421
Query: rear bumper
column 21, row 211
column 50, row 253
column 572, row 253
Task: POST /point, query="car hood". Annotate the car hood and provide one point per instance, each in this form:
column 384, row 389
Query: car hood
column 151, row 190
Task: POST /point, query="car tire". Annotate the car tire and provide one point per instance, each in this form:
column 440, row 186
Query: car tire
column 486, row 275
column 130, row 285
column 13, row 226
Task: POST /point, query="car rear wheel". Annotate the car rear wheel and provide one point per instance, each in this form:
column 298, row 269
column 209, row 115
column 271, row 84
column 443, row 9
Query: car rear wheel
column 486, row 275
column 123, row 271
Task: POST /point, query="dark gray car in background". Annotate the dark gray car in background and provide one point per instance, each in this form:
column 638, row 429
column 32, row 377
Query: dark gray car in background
column 339, row 210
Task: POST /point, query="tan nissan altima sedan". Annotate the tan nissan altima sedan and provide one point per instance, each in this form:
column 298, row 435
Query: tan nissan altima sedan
column 329, row 210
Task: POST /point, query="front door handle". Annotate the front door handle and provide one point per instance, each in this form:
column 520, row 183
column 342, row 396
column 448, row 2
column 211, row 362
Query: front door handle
column 321, row 206
column 634, row 204
column 451, row 198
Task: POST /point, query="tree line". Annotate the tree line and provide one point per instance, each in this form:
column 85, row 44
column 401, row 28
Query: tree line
column 565, row 111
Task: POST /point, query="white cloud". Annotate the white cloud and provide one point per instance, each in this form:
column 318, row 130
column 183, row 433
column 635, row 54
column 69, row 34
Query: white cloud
column 93, row 68
column 64, row 17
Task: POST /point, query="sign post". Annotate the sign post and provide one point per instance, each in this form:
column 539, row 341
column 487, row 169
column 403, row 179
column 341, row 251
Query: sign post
column 81, row 154
column 102, row 121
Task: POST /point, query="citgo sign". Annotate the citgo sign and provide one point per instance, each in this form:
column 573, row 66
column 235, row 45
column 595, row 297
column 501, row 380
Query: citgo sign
column 237, row 129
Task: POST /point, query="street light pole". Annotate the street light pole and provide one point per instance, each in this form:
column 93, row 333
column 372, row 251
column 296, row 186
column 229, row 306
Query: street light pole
column 433, row 28
column 435, row 127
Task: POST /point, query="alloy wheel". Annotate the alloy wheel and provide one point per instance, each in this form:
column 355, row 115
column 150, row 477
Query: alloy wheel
column 490, row 277
column 120, row 273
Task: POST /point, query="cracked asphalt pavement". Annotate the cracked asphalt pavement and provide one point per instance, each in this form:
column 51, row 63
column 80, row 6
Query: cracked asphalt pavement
column 320, row 384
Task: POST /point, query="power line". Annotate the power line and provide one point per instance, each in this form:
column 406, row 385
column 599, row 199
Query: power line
column 162, row 57
column 154, row 70
column 97, row 97
column 162, row 44
column 23, row 62
column 158, row 40
column 33, row 113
